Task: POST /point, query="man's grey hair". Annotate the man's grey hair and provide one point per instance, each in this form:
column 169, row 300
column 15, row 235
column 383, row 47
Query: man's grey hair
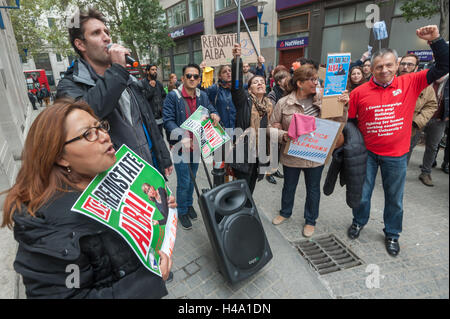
column 382, row 53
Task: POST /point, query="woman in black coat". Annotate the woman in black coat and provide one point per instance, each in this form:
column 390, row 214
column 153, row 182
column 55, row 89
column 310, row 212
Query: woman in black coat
column 63, row 254
column 253, row 110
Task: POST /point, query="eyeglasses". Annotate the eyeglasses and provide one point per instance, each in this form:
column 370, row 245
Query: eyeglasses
column 91, row 134
column 195, row 76
column 408, row 64
column 314, row 80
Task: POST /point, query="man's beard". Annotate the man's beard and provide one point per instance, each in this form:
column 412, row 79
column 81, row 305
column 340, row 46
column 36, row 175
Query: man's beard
column 152, row 76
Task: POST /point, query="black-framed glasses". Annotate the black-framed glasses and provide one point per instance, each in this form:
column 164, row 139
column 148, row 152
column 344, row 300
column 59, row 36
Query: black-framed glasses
column 91, row 134
column 314, row 80
column 195, row 76
column 408, row 64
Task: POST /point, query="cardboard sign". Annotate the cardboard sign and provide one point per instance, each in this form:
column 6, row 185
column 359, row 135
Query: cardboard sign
column 131, row 199
column 209, row 137
column 338, row 65
column 317, row 146
column 217, row 48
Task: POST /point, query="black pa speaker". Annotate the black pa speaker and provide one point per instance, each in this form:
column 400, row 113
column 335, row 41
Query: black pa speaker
column 235, row 230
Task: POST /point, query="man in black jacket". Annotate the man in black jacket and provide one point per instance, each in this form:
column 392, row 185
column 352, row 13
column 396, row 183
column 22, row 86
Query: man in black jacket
column 101, row 79
column 155, row 94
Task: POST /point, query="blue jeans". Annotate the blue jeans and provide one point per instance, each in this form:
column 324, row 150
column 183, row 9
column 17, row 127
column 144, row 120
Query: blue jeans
column 185, row 186
column 312, row 181
column 393, row 175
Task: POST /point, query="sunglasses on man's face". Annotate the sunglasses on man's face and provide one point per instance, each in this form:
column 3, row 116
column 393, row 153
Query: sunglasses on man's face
column 190, row 76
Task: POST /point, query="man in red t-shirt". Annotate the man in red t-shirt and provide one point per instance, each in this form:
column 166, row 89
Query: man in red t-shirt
column 384, row 109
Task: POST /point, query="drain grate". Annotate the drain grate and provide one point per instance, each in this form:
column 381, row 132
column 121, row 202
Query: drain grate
column 327, row 254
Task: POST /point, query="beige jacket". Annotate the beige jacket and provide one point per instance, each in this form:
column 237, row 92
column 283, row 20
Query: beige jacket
column 426, row 106
column 283, row 112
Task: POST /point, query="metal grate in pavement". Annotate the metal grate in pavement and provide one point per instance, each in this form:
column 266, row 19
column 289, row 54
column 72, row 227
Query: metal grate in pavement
column 327, row 254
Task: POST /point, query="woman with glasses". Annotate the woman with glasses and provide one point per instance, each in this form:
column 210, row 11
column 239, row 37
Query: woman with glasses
column 302, row 98
column 63, row 254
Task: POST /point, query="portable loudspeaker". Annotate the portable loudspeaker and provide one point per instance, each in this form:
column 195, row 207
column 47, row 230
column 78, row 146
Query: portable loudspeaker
column 235, row 230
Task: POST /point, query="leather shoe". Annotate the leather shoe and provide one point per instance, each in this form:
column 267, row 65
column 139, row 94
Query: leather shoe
column 392, row 246
column 354, row 230
column 278, row 174
column 271, row 179
column 444, row 167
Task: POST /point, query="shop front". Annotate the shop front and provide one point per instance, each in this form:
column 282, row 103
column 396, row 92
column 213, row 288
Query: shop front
column 187, row 49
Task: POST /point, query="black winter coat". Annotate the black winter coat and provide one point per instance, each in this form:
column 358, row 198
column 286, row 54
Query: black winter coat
column 103, row 95
column 57, row 239
column 349, row 161
column 155, row 97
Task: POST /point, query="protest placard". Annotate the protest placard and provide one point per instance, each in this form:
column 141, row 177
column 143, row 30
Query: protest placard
column 131, row 199
column 316, row 146
column 209, row 137
column 338, row 65
column 336, row 78
column 217, row 48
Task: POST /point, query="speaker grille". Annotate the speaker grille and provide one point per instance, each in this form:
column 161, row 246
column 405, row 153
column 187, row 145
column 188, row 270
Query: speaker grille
column 244, row 241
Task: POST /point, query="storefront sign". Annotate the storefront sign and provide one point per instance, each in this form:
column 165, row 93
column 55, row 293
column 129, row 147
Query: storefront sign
column 217, row 48
column 131, row 199
column 187, row 31
column 287, row 4
column 424, row 55
column 292, row 43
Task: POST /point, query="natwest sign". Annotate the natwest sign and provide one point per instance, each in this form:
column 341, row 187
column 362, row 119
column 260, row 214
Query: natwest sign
column 177, row 34
column 292, row 43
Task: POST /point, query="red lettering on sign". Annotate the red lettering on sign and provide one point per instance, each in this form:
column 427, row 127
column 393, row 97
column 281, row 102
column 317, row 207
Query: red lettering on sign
column 95, row 207
column 141, row 236
column 137, row 209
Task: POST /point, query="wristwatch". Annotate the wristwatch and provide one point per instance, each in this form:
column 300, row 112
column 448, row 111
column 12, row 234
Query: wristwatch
column 434, row 41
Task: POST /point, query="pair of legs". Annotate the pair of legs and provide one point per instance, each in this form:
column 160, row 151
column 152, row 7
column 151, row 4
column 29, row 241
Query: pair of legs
column 393, row 174
column 312, row 181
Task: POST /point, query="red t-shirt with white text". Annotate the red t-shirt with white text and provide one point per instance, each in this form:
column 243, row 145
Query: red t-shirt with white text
column 385, row 114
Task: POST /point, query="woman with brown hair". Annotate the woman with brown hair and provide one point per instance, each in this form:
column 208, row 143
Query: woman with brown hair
column 253, row 110
column 302, row 98
column 355, row 78
column 57, row 165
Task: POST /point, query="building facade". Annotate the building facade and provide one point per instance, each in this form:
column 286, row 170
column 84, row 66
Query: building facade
column 289, row 29
column 15, row 109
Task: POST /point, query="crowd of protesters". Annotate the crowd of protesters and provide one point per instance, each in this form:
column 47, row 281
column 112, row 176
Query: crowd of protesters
column 100, row 107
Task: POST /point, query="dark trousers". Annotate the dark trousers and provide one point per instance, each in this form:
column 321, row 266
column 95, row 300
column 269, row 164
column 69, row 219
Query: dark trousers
column 251, row 177
column 312, row 181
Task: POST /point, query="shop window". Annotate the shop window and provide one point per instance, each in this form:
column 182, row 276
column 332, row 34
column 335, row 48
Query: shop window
column 361, row 13
column 292, row 24
column 353, row 38
column 176, row 15
column 397, row 10
column 180, row 61
column 58, row 57
column 332, row 16
column 181, row 47
column 195, row 9
column 222, row 4
column 347, row 14
column 403, row 36
column 198, row 57
column 167, row 68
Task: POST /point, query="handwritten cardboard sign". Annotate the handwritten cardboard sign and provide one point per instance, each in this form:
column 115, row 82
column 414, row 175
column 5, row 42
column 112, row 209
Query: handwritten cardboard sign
column 317, row 146
column 217, row 48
